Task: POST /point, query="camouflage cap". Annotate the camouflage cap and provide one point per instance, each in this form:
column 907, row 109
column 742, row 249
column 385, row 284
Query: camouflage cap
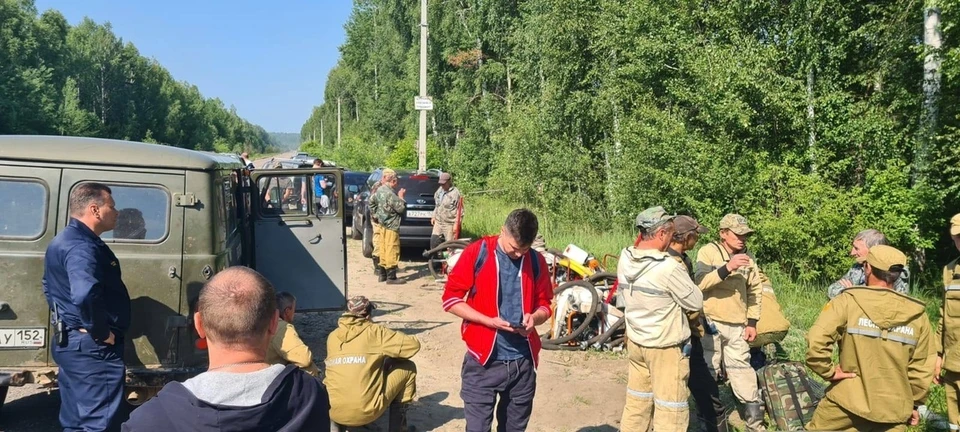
column 444, row 178
column 735, row 223
column 687, row 224
column 955, row 225
column 886, row 258
column 652, row 217
column 387, row 172
column 359, row 306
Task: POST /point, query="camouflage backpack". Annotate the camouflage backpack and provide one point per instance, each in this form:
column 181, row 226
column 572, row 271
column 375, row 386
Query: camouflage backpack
column 789, row 394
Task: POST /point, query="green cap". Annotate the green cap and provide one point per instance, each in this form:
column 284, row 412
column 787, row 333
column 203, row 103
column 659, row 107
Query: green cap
column 652, row 217
column 735, row 223
column 886, row 258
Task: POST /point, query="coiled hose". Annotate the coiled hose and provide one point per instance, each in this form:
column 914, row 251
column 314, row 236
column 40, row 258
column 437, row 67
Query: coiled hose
column 557, row 344
column 432, row 254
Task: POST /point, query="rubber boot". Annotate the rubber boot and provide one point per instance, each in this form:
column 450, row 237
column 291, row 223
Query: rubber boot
column 392, row 277
column 398, row 418
column 382, row 275
column 376, row 266
column 753, row 416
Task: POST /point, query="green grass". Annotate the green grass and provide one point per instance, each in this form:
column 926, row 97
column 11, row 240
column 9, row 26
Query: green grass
column 801, row 302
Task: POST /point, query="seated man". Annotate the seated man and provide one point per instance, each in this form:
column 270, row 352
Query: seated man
column 286, row 347
column 368, row 368
column 237, row 315
column 856, row 276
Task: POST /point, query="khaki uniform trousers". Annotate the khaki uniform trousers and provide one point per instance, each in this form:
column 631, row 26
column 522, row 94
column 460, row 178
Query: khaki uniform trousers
column 389, row 248
column 400, row 386
column 728, row 345
column 377, row 238
column 656, row 389
column 444, row 230
column 831, row 417
column 951, row 387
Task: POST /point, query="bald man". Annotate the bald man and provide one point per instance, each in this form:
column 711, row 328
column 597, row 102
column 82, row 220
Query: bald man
column 237, row 315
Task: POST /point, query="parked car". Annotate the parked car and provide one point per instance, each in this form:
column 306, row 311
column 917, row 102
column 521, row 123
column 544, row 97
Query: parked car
column 415, row 228
column 353, row 185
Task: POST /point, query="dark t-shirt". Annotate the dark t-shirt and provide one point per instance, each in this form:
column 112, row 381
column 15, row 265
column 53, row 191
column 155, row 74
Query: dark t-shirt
column 510, row 346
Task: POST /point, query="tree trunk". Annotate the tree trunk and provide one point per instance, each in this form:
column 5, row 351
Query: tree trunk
column 811, row 123
column 931, row 90
column 321, row 130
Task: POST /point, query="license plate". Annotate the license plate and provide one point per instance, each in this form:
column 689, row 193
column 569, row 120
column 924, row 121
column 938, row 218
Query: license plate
column 23, row 337
column 420, row 214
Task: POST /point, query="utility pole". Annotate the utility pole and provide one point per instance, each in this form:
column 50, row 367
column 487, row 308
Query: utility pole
column 422, row 148
column 338, row 121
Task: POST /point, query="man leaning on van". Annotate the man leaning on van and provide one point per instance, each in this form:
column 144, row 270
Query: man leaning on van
column 90, row 309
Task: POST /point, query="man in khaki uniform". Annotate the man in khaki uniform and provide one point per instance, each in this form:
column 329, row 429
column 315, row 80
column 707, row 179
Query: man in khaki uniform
column 389, row 207
column 947, row 340
column 368, row 367
column 444, row 218
column 885, row 342
column 286, row 347
column 732, row 292
column 657, row 290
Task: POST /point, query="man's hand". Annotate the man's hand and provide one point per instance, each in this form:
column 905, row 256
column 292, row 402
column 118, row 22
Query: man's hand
column 749, row 333
column 839, row 374
column 846, row 283
column 937, row 369
column 498, row 323
column 402, row 193
column 529, row 325
column 110, row 340
column 737, row 261
column 914, row 418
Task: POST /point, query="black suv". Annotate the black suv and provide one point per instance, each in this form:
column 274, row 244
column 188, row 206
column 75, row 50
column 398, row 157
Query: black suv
column 354, row 183
column 415, row 228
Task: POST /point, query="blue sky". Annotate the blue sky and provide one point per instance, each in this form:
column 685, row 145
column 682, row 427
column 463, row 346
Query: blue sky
column 269, row 59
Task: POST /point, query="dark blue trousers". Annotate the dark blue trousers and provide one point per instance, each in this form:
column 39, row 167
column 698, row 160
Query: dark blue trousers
column 514, row 381
column 91, row 381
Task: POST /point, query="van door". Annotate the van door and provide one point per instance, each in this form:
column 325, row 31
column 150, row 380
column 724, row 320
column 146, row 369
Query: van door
column 148, row 242
column 28, row 196
column 299, row 236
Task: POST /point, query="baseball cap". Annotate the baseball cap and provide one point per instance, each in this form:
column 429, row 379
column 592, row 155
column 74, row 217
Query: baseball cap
column 359, row 306
column 444, row 178
column 735, row 223
column 652, row 217
column 387, row 172
column 886, row 258
column 955, row 225
column 685, row 224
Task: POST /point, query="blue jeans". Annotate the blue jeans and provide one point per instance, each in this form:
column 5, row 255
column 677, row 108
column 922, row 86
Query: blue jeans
column 514, row 381
column 91, row 380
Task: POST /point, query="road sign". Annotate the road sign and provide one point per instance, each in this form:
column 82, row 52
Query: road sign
column 423, row 103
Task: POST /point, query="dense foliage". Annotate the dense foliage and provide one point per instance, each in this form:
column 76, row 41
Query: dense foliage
column 57, row 79
column 812, row 117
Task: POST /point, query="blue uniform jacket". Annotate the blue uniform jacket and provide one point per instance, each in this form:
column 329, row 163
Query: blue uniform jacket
column 81, row 275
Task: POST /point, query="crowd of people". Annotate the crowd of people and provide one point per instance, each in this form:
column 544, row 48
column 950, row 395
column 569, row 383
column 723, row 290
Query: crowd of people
column 689, row 327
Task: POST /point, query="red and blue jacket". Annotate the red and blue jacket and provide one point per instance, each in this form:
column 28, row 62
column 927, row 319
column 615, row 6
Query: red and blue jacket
column 476, row 280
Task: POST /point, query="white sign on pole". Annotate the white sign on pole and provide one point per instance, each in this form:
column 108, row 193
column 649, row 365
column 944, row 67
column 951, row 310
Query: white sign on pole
column 423, row 103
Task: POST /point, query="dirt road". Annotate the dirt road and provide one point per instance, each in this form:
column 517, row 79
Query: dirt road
column 576, row 391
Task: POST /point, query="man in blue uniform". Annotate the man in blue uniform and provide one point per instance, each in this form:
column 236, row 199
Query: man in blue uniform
column 91, row 311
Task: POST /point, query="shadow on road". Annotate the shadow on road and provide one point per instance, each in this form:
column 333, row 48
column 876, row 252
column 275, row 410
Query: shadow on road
column 40, row 412
column 603, row 428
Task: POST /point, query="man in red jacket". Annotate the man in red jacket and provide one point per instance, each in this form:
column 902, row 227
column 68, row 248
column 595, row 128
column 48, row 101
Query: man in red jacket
column 508, row 293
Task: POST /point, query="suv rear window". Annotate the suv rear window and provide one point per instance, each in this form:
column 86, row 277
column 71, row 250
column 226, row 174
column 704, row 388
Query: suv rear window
column 418, row 184
column 25, row 209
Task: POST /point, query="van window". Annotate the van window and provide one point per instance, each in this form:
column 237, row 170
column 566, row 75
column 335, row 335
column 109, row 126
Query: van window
column 282, row 194
column 25, row 209
column 144, row 213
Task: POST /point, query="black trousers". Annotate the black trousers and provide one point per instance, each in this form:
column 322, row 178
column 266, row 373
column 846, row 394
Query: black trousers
column 703, row 387
column 514, row 381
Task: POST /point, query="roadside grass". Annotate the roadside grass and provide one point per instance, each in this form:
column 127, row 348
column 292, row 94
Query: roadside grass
column 801, row 302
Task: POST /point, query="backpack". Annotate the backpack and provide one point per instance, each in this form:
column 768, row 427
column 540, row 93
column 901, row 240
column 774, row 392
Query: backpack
column 789, row 393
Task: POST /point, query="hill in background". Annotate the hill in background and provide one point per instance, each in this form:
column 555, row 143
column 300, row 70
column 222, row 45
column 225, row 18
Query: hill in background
column 285, row 141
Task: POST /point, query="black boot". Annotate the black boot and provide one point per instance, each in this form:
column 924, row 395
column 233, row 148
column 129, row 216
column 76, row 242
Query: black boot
column 382, row 275
column 376, row 266
column 398, row 418
column 392, row 277
column 753, row 416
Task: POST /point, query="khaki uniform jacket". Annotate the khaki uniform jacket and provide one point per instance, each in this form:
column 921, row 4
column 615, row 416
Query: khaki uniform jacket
column 948, row 329
column 656, row 290
column 355, row 374
column 731, row 298
column 286, row 347
column 445, row 212
column 388, row 207
column 885, row 338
